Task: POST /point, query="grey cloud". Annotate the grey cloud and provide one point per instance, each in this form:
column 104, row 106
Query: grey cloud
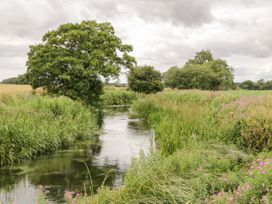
column 11, row 67
column 13, row 50
column 186, row 12
column 30, row 18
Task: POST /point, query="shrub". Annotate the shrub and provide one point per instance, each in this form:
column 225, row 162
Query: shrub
column 145, row 79
column 118, row 97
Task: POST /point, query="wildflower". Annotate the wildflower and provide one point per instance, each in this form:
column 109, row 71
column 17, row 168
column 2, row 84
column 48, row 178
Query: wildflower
column 263, row 172
column 261, row 163
column 68, row 195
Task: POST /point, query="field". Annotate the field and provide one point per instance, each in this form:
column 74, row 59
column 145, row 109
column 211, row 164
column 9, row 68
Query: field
column 212, row 147
column 14, row 89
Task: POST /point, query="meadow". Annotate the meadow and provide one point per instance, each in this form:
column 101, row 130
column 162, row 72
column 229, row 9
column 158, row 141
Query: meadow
column 212, row 147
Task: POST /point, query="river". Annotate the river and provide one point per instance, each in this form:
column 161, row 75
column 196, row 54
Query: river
column 121, row 138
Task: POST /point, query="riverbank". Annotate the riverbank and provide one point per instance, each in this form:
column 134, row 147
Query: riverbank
column 34, row 125
column 213, row 147
column 54, row 176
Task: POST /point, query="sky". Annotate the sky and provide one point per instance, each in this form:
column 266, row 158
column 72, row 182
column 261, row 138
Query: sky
column 163, row 33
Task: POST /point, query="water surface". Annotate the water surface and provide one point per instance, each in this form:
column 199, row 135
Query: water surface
column 121, row 138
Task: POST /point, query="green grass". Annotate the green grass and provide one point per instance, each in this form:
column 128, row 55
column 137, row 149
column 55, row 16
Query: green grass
column 34, row 125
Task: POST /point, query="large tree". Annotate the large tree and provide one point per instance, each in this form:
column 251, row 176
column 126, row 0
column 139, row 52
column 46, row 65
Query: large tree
column 74, row 59
column 145, row 79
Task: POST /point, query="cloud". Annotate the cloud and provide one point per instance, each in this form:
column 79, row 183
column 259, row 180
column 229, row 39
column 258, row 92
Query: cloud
column 13, row 50
column 163, row 33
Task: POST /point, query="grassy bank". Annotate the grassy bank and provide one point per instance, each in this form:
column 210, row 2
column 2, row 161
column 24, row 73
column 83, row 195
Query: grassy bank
column 34, row 125
column 212, row 147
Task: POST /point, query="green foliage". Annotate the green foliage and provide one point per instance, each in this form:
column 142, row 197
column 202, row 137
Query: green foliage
column 21, row 79
column 255, row 187
column 171, row 77
column 188, row 176
column 249, row 85
column 202, row 57
column 259, row 85
column 203, row 72
column 12, row 80
column 35, row 125
column 73, row 58
column 145, row 79
column 196, row 77
column 118, row 97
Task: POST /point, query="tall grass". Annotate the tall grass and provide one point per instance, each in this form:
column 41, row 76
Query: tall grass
column 181, row 119
column 112, row 97
column 208, row 150
column 33, row 125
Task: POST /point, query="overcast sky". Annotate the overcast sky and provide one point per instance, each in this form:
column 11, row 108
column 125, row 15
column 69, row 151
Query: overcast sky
column 163, row 32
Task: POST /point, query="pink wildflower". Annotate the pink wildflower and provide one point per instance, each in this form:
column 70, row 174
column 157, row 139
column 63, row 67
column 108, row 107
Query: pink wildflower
column 68, row 195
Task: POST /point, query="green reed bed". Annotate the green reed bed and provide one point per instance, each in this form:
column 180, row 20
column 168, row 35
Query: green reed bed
column 34, row 125
column 115, row 97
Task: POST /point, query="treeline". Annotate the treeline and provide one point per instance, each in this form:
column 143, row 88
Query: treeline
column 202, row 72
column 259, row 85
column 20, row 79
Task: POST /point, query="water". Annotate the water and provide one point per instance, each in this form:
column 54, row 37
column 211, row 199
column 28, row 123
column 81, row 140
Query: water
column 121, row 139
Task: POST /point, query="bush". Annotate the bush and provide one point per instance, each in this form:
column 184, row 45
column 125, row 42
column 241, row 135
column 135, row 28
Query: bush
column 145, row 79
column 35, row 125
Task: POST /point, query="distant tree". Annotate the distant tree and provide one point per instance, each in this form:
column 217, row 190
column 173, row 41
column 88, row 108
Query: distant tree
column 268, row 85
column 196, row 77
column 20, row 79
column 201, row 57
column 260, row 85
column 171, row 77
column 145, row 79
column 248, row 84
column 73, row 59
column 205, row 72
column 12, row 80
column 223, row 75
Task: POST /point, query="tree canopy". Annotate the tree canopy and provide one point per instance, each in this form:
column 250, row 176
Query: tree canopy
column 171, row 77
column 145, row 79
column 201, row 72
column 74, row 59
